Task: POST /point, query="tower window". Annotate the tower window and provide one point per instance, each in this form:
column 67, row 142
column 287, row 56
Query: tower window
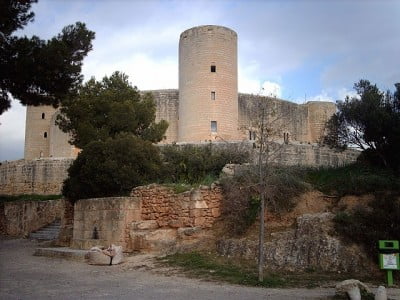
column 45, row 135
column 212, row 95
column 213, row 68
column 213, row 126
column 252, row 135
column 43, row 115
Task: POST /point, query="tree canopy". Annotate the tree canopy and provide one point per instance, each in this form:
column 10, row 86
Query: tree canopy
column 35, row 71
column 114, row 125
column 107, row 108
column 370, row 121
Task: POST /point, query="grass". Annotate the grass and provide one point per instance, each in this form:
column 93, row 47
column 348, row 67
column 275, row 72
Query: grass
column 32, row 197
column 355, row 179
column 213, row 267
column 181, row 187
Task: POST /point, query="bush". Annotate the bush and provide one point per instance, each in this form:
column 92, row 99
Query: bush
column 241, row 202
column 112, row 168
column 193, row 164
column 365, row 226
column 355, row 179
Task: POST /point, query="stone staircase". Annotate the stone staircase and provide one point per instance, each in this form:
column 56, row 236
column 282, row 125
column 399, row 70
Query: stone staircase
column 49, row 232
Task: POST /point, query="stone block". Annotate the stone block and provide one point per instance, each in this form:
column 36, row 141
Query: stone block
column 186, row 232
column 200, row 221
column 215, row 212
column 144, row 225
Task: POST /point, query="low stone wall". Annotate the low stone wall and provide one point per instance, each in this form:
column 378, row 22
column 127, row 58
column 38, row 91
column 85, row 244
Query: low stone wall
column 20, row 218
column 102, row 221
column 39, row 176
column 154, row 219
column 199, row 207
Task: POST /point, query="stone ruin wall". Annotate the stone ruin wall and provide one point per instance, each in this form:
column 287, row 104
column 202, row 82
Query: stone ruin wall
column 153, row 218
column 19, row 218
column 38, row 176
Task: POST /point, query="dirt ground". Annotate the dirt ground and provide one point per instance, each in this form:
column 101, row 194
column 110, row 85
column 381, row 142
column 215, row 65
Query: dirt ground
column 24, row 276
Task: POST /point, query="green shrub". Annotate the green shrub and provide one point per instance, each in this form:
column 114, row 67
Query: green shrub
column 355, row 179
column 112, row 168
column 197, row 164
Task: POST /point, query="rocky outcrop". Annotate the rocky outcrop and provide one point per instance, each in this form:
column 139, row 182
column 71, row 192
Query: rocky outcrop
column 311, row 244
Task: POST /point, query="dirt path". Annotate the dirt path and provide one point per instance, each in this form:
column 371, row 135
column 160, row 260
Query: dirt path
column 23, row 276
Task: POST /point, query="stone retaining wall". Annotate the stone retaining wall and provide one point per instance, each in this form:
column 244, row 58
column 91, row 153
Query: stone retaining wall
column 102, row 221
column 154, row 218
column 20, row 218
column 199, row 207
column 38, row 176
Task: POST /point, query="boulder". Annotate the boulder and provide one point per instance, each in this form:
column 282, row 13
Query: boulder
column 351, row 288
column 102, row 256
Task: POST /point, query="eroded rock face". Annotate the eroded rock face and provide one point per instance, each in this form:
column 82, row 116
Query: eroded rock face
column 311, row 244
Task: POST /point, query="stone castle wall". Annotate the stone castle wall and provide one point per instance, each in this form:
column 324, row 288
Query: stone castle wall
column 46, row 176
column 167, row 103
column 303, row 123
column 39, row 176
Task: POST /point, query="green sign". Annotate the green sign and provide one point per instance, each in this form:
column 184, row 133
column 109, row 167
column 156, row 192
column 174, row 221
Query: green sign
column 388, row 245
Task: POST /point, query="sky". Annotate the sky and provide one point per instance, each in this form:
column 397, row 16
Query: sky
column 295, row 50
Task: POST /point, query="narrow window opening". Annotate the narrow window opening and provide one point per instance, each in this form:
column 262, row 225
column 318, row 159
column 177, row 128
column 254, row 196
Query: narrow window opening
column 43, row 115
column 286, row 137
column 213, row 126
column 212, row 95
column 252, row 135
column 213, row 68
column 45, row 135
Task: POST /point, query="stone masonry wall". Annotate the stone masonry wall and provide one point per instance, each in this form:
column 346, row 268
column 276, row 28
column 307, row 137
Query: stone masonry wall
column 167, row 104
column 198, row 207
column 22, row 217
column 39, row 176
column 102, row 221
column 154, row 218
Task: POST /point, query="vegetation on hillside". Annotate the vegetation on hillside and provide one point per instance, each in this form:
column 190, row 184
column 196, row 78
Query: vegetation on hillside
column 241, row 203
column 235, row 271
column 366, row 225
column 355, row 179
column 197, row 164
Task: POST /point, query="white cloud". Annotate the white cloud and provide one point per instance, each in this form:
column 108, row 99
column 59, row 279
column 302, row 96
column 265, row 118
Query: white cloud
column 271, row 89
column 323, row 96
column 143, row 71
column 343, row 92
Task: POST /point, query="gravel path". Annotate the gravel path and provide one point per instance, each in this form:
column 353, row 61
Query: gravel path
column 23, row 276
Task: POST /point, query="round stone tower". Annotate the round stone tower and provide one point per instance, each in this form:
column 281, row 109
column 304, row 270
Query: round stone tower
column 208, row 91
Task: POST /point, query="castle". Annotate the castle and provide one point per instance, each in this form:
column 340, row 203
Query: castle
column 207, row 106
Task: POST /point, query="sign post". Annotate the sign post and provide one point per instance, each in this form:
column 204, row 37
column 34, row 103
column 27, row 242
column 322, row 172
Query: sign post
column 389, row 258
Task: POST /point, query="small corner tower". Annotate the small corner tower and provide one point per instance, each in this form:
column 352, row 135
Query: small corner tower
column 208, row 84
